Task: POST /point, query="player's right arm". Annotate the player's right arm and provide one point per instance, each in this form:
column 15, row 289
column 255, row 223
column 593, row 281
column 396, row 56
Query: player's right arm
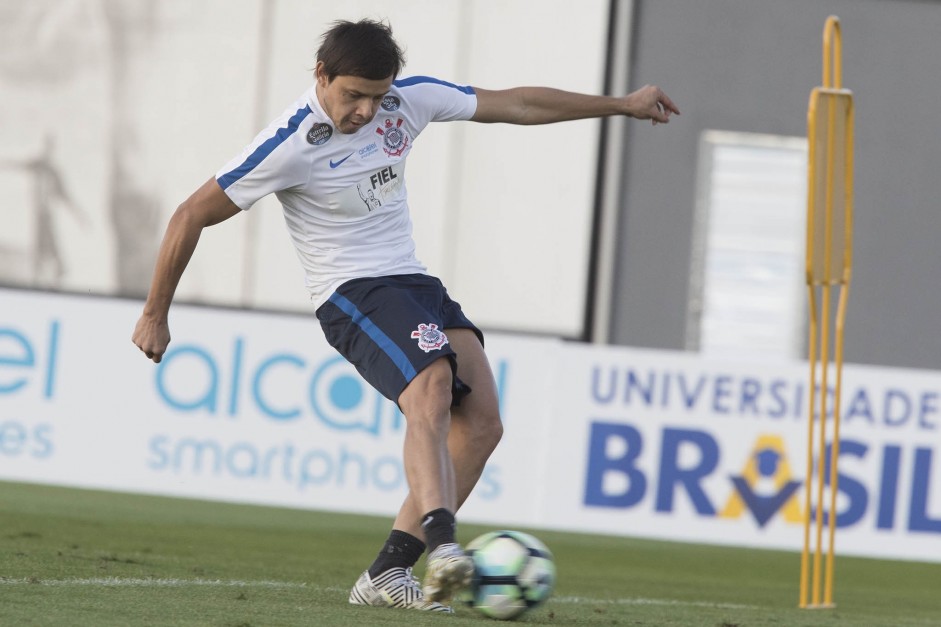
column 207, row 206
column 544, row 105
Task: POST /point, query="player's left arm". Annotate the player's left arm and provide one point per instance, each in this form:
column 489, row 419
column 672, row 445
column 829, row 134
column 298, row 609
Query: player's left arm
column 544, row 105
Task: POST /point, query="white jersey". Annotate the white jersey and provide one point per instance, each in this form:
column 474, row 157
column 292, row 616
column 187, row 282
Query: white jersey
column 344, row 195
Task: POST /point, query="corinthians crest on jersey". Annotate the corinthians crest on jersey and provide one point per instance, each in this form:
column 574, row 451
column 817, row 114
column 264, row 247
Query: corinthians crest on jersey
column 394, row 138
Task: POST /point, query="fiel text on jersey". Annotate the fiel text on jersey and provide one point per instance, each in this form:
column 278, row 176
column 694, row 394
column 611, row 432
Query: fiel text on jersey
column 383, row 176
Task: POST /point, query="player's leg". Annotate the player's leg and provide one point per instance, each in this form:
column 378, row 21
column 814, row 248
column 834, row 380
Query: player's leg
column 473, row 431
column 475, row 428
column 430, row 474
column 372, row 322
column 426, row 403
column 436, row 490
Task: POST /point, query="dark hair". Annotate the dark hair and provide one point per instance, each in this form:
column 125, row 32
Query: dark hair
column 365, row 49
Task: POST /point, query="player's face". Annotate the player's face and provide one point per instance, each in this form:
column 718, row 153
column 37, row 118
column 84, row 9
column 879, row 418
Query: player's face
column 350, row 101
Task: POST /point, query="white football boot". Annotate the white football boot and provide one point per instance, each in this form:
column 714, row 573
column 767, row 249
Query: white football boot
column 394, row 588
column 448, row 571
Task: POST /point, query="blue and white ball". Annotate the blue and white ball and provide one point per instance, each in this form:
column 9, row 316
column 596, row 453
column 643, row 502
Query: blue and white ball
column 513, row 572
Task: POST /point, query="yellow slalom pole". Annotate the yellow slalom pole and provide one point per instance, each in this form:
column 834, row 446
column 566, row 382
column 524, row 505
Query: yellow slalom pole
column 822, row 415
column 809, row 470
column 829, row 229
column 812, row 281
column 831, row 27
column 840, row 324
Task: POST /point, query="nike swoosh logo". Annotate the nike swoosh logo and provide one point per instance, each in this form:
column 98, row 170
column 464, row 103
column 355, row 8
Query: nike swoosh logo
column 337, row 164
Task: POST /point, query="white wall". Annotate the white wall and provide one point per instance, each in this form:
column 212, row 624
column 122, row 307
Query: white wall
column 502, row 214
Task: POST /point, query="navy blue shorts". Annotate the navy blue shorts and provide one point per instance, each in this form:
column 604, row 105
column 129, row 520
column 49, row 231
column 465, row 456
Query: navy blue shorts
column 392, row 327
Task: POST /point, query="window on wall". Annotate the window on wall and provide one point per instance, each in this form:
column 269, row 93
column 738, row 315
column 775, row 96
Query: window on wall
column 747, row 296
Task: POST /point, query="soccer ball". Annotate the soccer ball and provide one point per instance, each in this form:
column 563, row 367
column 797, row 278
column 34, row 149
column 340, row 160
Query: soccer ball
column 513, row 572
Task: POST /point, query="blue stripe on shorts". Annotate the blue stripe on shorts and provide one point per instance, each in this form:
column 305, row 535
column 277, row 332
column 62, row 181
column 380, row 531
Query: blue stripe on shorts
column 390, row 348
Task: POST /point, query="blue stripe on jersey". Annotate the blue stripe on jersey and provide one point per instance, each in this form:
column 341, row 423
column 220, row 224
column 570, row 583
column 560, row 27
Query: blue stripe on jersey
column 417, row 80
column 264, row 149
column 390, row 348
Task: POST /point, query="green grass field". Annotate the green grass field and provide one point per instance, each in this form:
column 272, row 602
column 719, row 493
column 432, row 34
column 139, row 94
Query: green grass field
column 76, row 557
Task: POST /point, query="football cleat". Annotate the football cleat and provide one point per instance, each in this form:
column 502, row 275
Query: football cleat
column 448, row 571
column 394, row 588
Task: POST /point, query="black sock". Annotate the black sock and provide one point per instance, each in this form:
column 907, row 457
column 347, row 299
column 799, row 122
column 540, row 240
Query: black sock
column 401, row 550
column 439, row 527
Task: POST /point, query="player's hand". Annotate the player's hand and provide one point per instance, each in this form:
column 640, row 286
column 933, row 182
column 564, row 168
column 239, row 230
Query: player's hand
column 650, row 103
column 152, row 336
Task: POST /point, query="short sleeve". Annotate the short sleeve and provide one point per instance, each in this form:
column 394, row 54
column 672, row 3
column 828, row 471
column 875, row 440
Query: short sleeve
column 442, row 101
column 268, row 164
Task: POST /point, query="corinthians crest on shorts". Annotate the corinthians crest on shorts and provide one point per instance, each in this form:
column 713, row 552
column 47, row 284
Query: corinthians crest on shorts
column 394, row 138
column 429, row 337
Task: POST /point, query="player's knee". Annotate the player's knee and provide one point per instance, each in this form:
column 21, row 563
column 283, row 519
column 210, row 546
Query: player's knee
column 494, row 431
column 427, row 398
column 487, row 429
column 489, row 437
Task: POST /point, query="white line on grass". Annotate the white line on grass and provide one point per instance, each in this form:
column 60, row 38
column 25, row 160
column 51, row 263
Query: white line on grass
column 146, row 582
column 155, row 582
column 642, row 601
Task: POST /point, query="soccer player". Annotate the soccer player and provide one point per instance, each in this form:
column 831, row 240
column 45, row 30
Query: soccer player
column 345, row 140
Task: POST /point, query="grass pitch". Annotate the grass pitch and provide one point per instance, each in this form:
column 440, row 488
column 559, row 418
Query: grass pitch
column 77, row 557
